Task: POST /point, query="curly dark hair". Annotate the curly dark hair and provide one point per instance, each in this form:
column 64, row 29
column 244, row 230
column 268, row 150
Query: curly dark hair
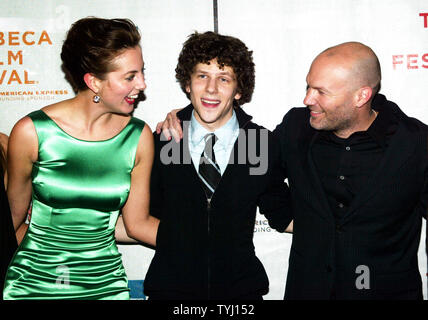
column 229, row 51
column 92, row 43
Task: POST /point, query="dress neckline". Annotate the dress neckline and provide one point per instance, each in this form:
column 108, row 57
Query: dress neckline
column 73, row 137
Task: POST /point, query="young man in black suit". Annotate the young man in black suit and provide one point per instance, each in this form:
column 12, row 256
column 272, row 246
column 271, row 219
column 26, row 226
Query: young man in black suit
column 357, row 168
column 206, row 188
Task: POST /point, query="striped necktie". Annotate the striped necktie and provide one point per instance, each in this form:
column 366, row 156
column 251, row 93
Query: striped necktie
column 209, row 171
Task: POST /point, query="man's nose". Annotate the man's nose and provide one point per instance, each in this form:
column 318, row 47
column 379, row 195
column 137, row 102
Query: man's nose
column 211, row 85
column 309, row 98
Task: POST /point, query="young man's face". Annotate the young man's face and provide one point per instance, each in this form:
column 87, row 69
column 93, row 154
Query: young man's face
column 212, row 91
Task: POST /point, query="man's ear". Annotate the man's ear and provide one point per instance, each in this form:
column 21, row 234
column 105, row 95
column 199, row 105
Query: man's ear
column 92, row 82
column 363, row 95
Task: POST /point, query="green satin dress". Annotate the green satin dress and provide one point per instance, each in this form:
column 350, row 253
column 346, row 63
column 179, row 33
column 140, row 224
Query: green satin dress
column 69, row 251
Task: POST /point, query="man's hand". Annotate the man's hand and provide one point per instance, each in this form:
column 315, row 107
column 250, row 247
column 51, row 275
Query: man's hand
column 171, row 127
column 289, row 229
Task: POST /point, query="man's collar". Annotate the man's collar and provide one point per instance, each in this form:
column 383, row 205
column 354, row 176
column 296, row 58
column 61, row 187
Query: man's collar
column 385, row 122
column 384, row 125
column 224, row 134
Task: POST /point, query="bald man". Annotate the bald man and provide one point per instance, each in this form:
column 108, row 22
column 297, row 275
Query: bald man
column 357, row 168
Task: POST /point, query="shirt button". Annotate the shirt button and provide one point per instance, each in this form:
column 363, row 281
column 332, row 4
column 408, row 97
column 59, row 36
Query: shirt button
column 342, row 178
column 348, row 148
column 341, row 205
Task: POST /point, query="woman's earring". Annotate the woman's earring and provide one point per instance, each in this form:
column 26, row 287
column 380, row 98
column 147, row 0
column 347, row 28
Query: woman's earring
column 96, row 98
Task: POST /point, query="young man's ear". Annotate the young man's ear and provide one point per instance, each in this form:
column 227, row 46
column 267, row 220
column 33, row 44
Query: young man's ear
column 92, row 82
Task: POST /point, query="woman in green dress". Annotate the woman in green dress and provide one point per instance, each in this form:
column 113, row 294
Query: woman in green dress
column 81, row 162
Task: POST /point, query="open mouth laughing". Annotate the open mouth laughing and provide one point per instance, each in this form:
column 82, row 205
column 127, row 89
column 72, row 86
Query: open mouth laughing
column 131, row 99
column 210, row 103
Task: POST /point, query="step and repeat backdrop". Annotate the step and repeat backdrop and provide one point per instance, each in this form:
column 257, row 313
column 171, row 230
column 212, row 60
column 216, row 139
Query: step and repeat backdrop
column 285, row 36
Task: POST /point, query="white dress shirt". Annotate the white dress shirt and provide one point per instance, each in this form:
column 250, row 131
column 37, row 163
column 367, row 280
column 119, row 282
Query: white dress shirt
column 226, row 137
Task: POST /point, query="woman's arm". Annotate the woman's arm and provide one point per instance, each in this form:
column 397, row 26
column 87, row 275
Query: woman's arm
column 139, row 224
column 4, row 140
column 22, row 153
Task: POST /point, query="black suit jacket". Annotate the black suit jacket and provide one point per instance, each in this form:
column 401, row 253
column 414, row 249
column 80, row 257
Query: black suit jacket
column 371, row 252
column 206, row 251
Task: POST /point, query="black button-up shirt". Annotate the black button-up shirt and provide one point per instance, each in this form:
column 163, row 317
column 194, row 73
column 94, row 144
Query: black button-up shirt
column 345, row 165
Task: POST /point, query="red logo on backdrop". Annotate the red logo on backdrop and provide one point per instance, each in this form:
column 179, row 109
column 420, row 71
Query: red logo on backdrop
column 413, row 60
column 410, row 61
column 425, row 15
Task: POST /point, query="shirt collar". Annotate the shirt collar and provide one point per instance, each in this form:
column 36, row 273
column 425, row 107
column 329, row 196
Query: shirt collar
column 384, row 125
column 381, row 128
column 225, row 134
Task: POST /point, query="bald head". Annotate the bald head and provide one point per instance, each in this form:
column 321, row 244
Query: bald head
column 341, row 84
column 360, row 60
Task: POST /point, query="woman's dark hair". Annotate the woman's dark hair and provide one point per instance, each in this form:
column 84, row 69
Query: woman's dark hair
column 229, row 51
column 92, row 43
